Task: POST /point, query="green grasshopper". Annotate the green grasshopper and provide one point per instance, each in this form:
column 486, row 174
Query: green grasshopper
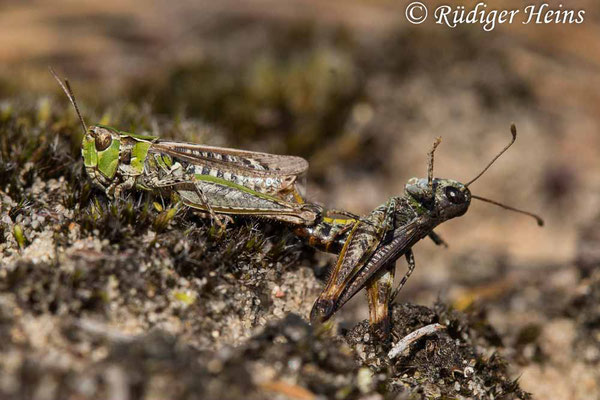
column 219, row 181
column 226, row 182
column 211, row 179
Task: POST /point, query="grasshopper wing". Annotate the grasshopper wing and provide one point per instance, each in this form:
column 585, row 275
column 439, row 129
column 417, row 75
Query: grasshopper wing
column 248, row 163
column 403, row 238
column 280, row 176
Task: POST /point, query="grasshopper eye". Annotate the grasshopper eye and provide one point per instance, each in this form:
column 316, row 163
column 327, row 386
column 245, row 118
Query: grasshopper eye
column 103, row 141
column 454, row 195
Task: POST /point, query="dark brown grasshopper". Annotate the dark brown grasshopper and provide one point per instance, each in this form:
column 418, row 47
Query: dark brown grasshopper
column 374, row 243
column 226, row 182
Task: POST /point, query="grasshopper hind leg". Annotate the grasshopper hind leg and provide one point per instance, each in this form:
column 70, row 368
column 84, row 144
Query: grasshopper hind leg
column 379, row 293
column 212, row 212
column 203, row 202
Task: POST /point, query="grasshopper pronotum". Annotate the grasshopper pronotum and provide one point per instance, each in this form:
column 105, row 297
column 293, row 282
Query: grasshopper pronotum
column 224, row 181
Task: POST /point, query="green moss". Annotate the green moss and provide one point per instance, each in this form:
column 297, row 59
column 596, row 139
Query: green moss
column 185, row 298
column 163, row 219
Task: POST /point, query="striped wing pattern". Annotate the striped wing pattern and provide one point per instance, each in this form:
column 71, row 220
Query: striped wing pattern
column 246, row 162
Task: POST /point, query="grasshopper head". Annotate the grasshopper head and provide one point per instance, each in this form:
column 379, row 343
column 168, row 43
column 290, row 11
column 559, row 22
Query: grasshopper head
column 100, row 150
column 108, row 154
column 100, row 145
column 447, row 197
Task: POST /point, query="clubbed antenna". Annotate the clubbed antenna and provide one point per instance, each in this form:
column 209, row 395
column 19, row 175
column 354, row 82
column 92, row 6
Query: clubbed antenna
column 513, row 131
column 436, row 143
column 539, row 220
column 67, row 89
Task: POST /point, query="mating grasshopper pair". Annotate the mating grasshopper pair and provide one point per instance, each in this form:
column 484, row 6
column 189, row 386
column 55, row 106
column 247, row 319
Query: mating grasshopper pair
column 225, row 182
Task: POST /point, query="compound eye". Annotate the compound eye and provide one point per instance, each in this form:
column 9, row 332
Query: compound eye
column 454, row 195
column 103, row 140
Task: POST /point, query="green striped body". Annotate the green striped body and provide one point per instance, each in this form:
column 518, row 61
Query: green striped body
column 226, row 181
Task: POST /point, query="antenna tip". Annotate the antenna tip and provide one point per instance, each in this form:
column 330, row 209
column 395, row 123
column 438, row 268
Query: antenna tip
column 54, row 74
column 540, row 221
column 513, row 130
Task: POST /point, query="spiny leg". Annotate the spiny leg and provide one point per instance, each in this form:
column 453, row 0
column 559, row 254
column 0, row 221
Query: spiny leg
column 410, row 259
column 379, row 289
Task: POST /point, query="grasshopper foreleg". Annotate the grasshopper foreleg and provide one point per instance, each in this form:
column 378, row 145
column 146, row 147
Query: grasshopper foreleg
column 437, row 239
column 410, row 259
column 116, row 189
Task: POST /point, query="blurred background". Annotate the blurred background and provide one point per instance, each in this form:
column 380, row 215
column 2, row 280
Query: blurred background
column 361, row 93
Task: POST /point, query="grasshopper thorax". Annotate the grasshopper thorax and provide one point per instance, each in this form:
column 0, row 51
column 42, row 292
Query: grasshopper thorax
column 444, row 198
